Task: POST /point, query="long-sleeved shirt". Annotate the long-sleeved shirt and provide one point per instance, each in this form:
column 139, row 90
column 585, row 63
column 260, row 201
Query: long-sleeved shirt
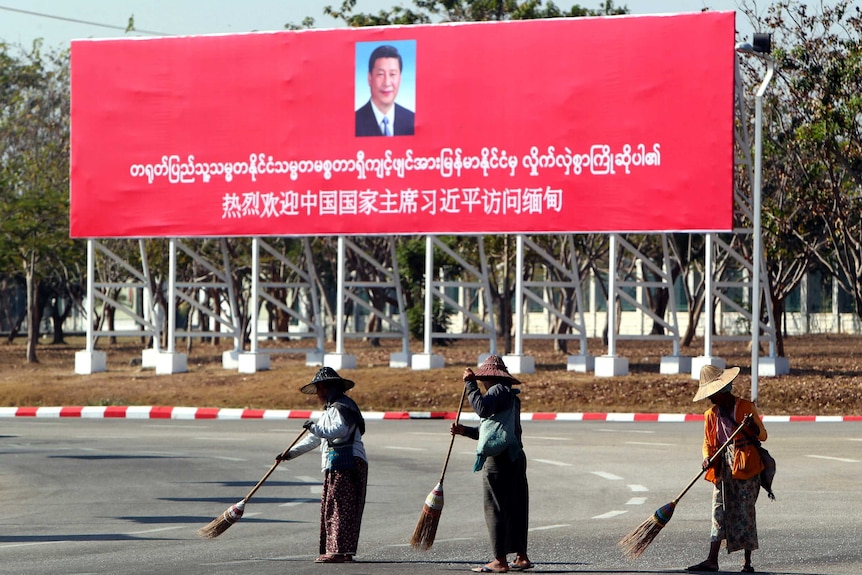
column 330, row 429
column 498, row 398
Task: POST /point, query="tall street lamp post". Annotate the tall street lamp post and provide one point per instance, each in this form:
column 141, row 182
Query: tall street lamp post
column 760, row 47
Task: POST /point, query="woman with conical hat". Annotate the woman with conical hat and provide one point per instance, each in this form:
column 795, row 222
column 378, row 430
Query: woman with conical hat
column 338, row 434
column 736, row 474
column 506, row 494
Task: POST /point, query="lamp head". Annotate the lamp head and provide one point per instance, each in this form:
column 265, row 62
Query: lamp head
column 762, row 43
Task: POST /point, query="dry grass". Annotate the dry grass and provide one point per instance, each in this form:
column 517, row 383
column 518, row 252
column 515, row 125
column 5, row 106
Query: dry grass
column 825, row 379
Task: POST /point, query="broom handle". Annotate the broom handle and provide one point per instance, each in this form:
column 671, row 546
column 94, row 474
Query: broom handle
column 274, row 465
column 452, row 439
column 714, row 456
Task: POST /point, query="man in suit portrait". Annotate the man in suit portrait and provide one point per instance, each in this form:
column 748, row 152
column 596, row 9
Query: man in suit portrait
column 381, row 115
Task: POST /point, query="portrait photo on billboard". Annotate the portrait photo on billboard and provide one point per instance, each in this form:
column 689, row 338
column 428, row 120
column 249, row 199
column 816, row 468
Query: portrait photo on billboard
column 385, row 88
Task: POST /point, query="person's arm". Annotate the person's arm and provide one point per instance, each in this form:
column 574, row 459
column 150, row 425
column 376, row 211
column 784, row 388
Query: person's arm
column 496, row 399
column 755, row 424
column 465, row 430
column 332, row 426
column 708, row 449
column 305, row 445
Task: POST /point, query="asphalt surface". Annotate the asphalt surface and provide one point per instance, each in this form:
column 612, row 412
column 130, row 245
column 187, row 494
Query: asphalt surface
column 82, row 496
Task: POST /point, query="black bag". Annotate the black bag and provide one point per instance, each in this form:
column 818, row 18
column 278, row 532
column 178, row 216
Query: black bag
column 768, row 473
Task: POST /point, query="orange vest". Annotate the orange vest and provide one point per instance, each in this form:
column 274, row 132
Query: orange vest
column 746, row 459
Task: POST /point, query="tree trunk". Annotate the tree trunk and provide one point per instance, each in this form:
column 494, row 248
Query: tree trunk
column 778, row 312
column 16, row 327
column 562, row 345
column 693, row 319
column 660, row 301
column 57, row 320
column 34, row 317
column 109, row 316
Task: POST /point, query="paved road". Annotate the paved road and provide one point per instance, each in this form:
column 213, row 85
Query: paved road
column 127, row 496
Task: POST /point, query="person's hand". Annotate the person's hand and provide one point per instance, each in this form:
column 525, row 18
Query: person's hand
column 457, row 429
column 751, row 424
column 469, row 375
column 308, row 424
column 706, row 464
column 282, row 456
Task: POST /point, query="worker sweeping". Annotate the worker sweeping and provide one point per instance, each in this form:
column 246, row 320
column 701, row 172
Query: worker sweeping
column 338, row 433
column 500, row 456
column 735, row 474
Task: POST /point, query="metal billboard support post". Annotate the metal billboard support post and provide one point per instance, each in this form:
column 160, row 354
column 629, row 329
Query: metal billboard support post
column 89, row 360
column 339, row 359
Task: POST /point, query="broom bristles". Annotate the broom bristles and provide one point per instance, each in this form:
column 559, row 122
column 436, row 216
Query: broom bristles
column 426, row 528
column 636, row 542
column 221, row 523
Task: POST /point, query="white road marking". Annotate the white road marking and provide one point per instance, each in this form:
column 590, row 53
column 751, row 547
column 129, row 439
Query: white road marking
column 157, row 529
column 396, row 448
column 307, row 479
column 546, row 438
column 546, row 527
column 113, row 436
column 606, row 475
column 649, row 443
column 842, row 459
column 219, row 438
column 552, row 462
column 609, row 514
column 636, row 501
column 637, row 488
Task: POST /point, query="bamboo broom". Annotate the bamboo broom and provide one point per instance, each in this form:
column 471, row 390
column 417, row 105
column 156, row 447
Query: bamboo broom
column 426, row 528
column 234, row 513
column 639, row 539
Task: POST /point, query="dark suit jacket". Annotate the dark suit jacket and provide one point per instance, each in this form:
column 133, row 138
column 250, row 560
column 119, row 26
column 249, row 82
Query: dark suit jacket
column 366, row 122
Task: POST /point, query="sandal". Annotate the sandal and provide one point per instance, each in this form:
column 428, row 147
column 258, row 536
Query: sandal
column 747, row 569
column 486, row 569
column 702, row 566
column 330, row 559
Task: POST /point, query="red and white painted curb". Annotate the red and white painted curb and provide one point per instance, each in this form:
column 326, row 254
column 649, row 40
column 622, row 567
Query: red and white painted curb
column 164, row 412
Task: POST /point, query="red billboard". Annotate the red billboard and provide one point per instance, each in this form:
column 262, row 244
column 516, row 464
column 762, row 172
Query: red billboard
column 617, row 124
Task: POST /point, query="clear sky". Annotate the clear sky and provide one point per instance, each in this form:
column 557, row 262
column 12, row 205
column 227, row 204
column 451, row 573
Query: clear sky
column 57, row 22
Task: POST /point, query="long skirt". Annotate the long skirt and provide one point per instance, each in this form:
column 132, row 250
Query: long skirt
column 507, row 503
column 734, row 516
column 341, row 507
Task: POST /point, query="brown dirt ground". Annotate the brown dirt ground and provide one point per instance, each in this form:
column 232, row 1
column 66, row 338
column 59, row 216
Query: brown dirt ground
column 825, row 379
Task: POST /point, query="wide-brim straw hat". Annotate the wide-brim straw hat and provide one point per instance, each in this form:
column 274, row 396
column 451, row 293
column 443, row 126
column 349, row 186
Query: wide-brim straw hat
column 493, row 369
column 713, row 379
column 328, row 376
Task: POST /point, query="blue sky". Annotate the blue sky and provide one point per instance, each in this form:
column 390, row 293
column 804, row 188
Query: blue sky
column 57, row 22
